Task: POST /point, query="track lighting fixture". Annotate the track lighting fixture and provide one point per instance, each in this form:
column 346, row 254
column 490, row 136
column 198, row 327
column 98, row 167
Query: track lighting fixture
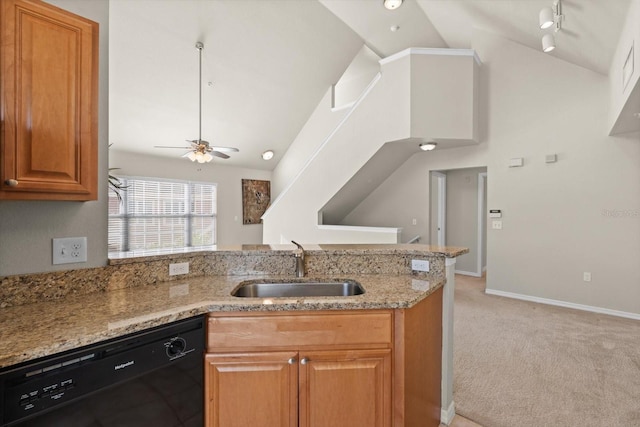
column 550, row 16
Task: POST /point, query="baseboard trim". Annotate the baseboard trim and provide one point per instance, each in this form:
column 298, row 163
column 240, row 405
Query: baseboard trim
column 446, row 415
column 565, row 304
column 468, row 273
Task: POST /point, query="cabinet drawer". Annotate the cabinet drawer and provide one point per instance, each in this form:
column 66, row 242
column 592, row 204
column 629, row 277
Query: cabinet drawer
column 294, row 330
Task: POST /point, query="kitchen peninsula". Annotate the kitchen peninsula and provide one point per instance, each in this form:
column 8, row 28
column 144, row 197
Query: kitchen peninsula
column 44, row 314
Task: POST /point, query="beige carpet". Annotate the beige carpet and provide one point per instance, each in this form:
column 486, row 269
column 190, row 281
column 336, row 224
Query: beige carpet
column 520, row 364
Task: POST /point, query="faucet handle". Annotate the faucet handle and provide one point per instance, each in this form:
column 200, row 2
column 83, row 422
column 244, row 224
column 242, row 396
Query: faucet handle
column 299, row 255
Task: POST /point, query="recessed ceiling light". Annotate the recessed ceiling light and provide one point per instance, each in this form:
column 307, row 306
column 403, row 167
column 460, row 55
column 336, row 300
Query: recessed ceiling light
column 392, row 4
column 427, row 146
column 267, row 155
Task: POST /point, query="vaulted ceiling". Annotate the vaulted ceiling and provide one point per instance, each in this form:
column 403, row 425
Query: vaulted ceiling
column 267, row 63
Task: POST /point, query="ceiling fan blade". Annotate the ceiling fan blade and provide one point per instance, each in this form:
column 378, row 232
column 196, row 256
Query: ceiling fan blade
column 225, row 149
column 167, row 146
column 219, row 154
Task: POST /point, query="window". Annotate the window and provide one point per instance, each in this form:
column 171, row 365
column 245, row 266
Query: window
column 162, row 214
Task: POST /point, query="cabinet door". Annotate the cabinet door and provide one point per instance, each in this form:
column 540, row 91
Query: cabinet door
column 345, row 388
column 48, row 103
column 251, row 390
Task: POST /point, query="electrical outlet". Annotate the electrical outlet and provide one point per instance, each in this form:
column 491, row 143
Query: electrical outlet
column 586, row 276
column 178, row 268
column 69, row 250
column 496, row 225
column 420, row 265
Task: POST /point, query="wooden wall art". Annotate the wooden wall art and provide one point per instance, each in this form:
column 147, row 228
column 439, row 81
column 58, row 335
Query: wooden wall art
column 256, row 196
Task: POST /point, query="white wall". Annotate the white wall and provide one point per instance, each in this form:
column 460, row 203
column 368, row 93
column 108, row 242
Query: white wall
column 387, row 207
column 295, row 214
column 559, row 220
column 356, row 77
column 27, row 227
column 321, row 122
column 230, row 229
column 619, row 94
column 386, row 114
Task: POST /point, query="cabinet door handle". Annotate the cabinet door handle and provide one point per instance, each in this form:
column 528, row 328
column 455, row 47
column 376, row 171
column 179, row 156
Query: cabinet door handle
column 304, row 361
column 291, row 361
column 11, row 182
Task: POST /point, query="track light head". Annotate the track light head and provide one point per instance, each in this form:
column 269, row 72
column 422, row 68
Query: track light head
column 548, row 43
column 546, row 18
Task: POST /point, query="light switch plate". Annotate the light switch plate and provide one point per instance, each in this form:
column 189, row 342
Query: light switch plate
column 69, row 250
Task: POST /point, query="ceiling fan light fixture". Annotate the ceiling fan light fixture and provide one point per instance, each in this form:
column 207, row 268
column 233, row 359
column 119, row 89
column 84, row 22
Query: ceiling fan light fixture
column 267, row 155
column 428, row 146
column 200, row 150
column 392, row 4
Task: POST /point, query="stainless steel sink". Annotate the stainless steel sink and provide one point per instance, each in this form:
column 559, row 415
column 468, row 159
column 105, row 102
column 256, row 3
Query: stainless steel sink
column 298, row 288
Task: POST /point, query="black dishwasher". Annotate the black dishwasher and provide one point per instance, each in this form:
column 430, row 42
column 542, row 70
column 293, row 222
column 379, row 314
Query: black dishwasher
column 148, row 378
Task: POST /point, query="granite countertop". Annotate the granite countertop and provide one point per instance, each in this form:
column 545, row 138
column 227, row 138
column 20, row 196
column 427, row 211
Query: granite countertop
column 36, row 330
column 118, row 258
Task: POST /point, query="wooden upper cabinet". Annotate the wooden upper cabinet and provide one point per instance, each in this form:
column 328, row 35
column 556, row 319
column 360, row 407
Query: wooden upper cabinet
column 48, row 103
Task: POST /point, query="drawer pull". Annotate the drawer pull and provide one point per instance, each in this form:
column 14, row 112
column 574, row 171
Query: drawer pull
column 11, row 182
column 304, row 361
column 291, row 361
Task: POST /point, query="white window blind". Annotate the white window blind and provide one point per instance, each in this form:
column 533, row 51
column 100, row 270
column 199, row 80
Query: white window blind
column 159, row 214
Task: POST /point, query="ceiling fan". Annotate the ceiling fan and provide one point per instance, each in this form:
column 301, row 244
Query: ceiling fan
column 200, row 150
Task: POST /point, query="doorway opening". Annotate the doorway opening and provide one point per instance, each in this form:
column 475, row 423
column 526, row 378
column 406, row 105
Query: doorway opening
column 458, row 215
column 438, row 209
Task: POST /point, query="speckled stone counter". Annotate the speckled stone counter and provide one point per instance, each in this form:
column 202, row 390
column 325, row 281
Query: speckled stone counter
column 35, row 330
column 46, row 313
column 148, row 268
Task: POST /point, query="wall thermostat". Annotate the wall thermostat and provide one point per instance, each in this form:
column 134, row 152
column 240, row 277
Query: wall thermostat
column 495, row 213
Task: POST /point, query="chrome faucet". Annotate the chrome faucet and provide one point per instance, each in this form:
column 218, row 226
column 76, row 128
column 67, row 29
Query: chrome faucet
column 299, row 255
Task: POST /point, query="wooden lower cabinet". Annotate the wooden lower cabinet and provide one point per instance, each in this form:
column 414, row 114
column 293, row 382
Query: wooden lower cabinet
column 357, row 368
column 345, row 389
column 289, row 389
column 251, row 390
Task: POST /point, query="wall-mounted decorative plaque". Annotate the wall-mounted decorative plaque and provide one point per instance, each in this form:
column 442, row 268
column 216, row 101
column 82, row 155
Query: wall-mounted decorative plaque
column 256, row 196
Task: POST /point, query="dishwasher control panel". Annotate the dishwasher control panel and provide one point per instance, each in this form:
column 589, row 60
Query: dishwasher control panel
column 53, row 381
